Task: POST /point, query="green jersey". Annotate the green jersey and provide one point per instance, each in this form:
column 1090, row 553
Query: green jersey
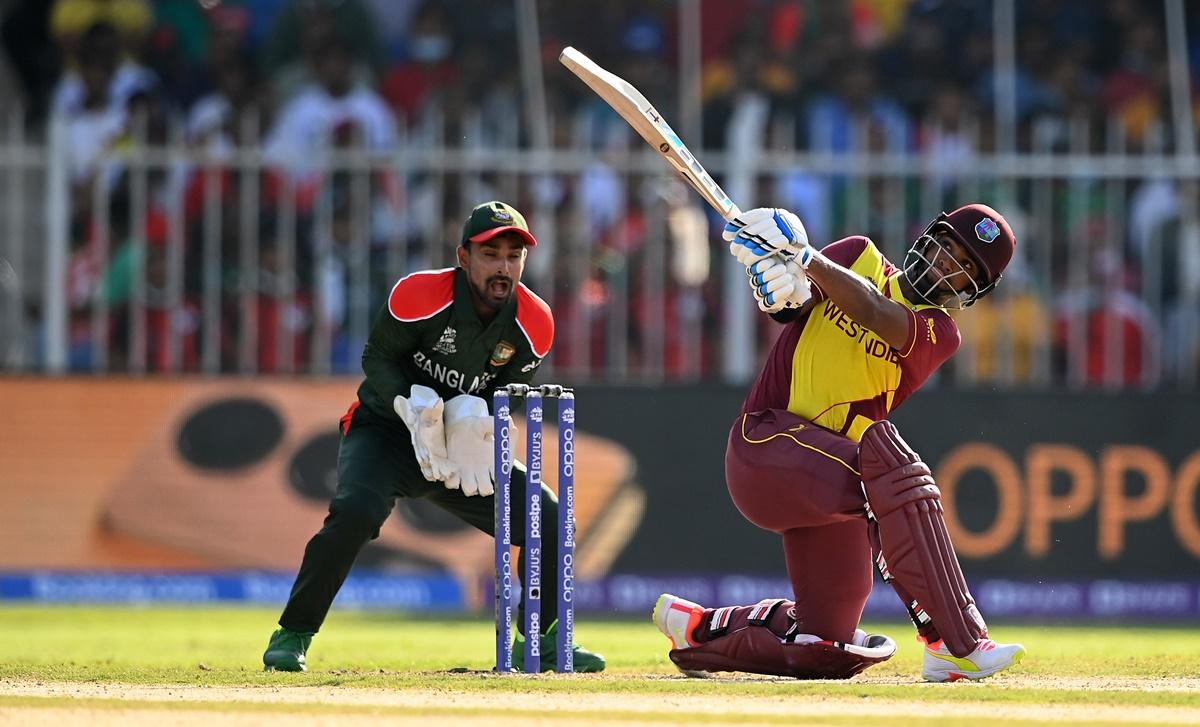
column 429, row 334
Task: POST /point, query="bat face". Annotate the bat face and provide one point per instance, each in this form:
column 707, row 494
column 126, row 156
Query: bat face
column 653, row 128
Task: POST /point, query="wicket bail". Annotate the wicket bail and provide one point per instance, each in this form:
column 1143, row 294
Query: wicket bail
column 531, row 579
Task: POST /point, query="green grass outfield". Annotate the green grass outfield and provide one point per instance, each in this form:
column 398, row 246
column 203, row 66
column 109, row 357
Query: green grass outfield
column 1145, row 668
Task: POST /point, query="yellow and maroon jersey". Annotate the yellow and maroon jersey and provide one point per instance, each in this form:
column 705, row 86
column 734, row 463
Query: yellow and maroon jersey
column 831, row 370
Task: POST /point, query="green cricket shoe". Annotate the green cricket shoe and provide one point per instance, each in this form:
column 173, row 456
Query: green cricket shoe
column 286, row 650
column 586, row 662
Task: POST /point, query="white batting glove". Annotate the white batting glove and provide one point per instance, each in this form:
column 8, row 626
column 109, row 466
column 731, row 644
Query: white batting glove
column 470, row 438
column 778, row 284
column 422, row 414
column 765, row 231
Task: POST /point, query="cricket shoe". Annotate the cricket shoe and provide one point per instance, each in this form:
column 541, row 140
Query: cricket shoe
column 584, row 661
column 987, row 659
column 678, row 618
column 286, row 651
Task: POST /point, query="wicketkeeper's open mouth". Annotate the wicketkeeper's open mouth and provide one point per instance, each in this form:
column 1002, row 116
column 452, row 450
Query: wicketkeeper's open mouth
column 499, row 287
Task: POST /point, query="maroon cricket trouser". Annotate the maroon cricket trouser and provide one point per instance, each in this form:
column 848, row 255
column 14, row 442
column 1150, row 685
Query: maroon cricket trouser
column 790, row 476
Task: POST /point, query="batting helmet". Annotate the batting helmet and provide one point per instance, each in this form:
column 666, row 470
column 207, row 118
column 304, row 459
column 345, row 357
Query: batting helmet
column 985, row 235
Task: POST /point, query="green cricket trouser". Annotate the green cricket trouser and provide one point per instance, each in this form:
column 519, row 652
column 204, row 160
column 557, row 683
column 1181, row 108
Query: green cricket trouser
column 376, row 465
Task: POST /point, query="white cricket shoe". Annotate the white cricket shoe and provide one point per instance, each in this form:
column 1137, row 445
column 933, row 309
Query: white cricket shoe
column 987, row 659
column 677, row 618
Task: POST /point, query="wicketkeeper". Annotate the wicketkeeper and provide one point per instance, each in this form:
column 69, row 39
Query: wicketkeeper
column 421, row 426
column 812, row 457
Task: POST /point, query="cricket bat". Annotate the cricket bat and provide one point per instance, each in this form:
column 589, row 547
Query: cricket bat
column 642, row 116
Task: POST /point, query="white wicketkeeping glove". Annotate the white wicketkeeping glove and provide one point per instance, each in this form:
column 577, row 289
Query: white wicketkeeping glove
column 422, row 414
column 778, row 284
column 765, row 231
column 470, row 437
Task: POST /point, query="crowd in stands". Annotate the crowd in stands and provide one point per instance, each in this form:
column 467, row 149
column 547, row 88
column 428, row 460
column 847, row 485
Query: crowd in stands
column 889, row 76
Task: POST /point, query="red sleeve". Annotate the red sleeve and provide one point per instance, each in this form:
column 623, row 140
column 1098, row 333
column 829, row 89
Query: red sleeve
column 535, row 321
column 421, row 295
column 936, row 340
column 843, row 252
column 846, row 250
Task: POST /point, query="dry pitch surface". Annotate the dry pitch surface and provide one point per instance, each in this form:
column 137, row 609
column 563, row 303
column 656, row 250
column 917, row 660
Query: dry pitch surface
column 193, row 667
column 58, row 703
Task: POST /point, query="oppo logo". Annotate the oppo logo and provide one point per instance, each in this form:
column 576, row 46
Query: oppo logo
column 1120, row 485
column 505, row 449
column 568, row 452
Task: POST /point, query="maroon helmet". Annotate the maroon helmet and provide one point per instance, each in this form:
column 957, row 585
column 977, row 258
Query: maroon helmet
column 986, row 236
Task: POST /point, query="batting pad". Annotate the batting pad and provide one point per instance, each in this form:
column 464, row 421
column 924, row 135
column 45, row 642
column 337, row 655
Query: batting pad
column 912, row 532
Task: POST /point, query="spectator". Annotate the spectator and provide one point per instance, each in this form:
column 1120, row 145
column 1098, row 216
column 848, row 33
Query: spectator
column 166, row 322
column 305, row 27
column 284, row 311
column 921, row 45
column 745, row 92
column 875, row 22
column 856, row 96
column 122, row 24
column 1121, row 342
column 483, row 108
column 71, row 19
column 93, row 127
column 1104, row 335
column 430, row 67
column 191, row 41
column 1164, row 237
column 348, row 263
column 1011, row 329
column 1135, row 91
column 333, row 102
column 950, row 135
column 1074, row 83
column 393, row 22
column 217, row 122
column 220, row 121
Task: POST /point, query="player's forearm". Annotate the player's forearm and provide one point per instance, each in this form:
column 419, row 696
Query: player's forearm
column 384, row 375
column 860, row 300
column 389, row 344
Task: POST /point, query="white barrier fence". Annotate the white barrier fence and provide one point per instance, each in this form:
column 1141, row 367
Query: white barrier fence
column 168, row 258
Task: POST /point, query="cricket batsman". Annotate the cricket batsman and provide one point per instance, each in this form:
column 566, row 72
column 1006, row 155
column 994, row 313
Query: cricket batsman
column 421, row 427
column 812, row 456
